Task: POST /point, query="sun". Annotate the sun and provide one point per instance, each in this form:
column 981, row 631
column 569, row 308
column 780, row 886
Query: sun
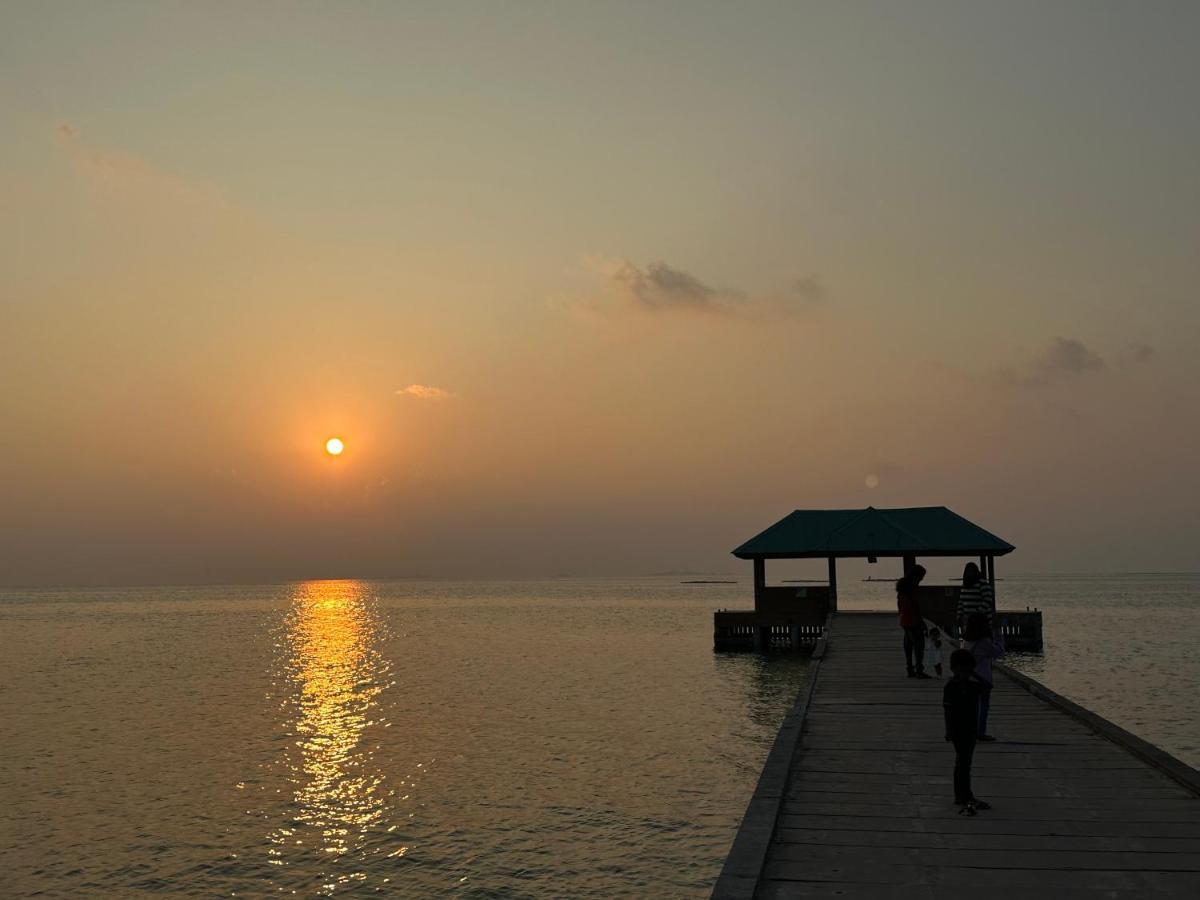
column 334, row 446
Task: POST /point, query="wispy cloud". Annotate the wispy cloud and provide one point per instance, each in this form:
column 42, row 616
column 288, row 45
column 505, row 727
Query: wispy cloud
column 660, row 288
column 1135, row 353
column 424, row 392
column 122, row 171
column 810, row 289
column 1065, row 359
column 1068, row 356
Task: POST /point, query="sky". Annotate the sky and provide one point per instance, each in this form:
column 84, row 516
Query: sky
column 590, row 288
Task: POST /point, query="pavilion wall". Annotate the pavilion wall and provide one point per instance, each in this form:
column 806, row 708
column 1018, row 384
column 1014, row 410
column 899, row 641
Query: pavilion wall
column 811, row 600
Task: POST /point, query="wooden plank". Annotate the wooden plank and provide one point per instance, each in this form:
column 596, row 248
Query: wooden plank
column 909, row 803
column 843, row 890
column 984, row 824
column 960, row 840
column 802, row 790
column 983, row 858
column 942, row 874
column 1113, row 780
column 938, row 793
column 1065, row 812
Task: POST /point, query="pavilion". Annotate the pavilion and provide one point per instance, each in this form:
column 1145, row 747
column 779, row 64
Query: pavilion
column 790, row 615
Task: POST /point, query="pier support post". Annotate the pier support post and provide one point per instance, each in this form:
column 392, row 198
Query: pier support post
column 832, row 584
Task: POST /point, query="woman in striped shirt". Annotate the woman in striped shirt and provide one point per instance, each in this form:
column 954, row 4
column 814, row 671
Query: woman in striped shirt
column 975, row 596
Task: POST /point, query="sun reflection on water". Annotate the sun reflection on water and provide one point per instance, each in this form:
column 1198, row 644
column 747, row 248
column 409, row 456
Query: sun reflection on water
column 341, row 801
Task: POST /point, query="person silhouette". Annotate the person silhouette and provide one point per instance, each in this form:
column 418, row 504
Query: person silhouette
column 976, row 596
column 909, row 606
column 960, row 705
column 984, row 647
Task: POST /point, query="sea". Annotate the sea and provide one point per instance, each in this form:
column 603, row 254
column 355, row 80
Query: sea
column 532, row 739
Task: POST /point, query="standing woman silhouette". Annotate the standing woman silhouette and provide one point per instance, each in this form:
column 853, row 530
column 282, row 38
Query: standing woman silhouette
column 976, row 597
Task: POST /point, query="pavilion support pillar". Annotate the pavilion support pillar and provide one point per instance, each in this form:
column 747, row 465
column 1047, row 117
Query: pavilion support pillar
column 909, row 562
column 760, row 581
column 833, row 584
column 983, row 566
column 990, row 574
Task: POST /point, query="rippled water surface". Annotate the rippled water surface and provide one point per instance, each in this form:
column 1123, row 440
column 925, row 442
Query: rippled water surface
column 483, row 740
column 563, row 738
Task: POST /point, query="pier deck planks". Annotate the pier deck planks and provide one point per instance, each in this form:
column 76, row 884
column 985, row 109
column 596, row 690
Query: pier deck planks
column 867, row 810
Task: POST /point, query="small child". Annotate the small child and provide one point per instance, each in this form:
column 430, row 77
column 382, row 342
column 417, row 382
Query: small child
column 960, row 703
column 985, row 647
column 933, row 651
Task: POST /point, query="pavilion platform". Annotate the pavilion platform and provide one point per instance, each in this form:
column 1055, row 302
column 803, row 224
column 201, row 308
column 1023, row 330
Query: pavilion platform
column 792, row 617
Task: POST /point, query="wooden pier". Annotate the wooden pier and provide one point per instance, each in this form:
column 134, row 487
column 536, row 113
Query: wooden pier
column 855, row 799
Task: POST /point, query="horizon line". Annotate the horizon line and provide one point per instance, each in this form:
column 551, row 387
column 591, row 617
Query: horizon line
column 564, row 576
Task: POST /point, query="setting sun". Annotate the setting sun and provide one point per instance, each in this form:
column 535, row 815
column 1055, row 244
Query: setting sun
column 334, row 446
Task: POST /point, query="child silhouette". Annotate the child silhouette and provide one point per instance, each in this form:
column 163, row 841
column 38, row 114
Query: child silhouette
column 960, row 703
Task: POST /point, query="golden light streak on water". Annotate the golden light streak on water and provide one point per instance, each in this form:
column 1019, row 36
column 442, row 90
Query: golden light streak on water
column 341, row 799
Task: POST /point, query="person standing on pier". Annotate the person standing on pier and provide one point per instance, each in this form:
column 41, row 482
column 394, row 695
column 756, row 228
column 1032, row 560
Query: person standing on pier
column 984, row 646
column 909, row 606
column 960, row 704
column 976, row 596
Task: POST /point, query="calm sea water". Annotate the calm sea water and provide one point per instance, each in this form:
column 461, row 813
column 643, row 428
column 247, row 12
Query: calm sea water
column 539, row 739
column 566, row 738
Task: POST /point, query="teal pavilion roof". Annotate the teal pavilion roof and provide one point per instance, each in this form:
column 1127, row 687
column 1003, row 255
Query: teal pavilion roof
column 913, row 531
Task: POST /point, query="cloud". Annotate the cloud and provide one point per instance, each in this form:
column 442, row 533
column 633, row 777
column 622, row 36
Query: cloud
column 424, row 392
column 1065, row 359
column 1135, row 353
column 130, row 175
column 93, row 161
column 660, row 288
column 1068, row 356
column 809, row 288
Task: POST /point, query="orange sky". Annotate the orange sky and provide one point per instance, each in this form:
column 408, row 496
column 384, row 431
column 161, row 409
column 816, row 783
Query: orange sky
column 584, row 299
